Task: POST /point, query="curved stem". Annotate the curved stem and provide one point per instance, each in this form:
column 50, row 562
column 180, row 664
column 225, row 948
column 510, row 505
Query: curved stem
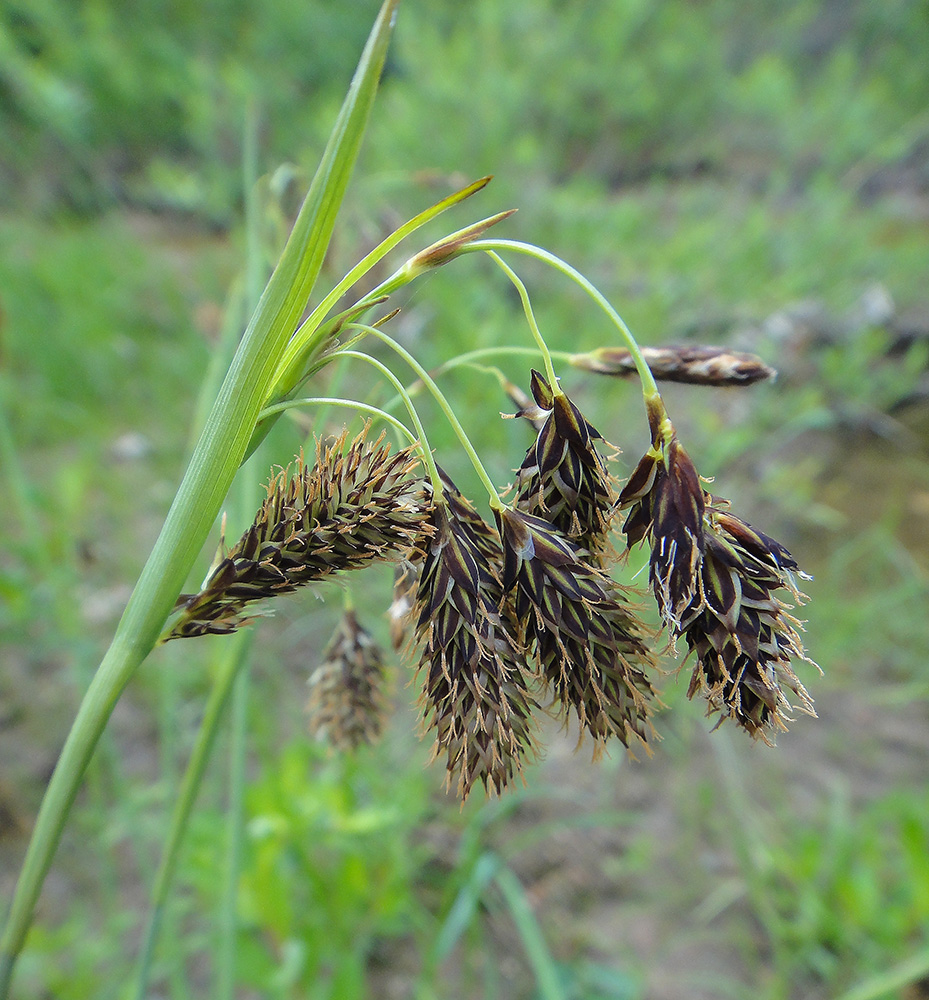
column 352, row 404
column 212, row 468
column 494, row 352
column 530, row 317
column 649, row 388
column 297, row 347
column 495, row 502
column 424, row 448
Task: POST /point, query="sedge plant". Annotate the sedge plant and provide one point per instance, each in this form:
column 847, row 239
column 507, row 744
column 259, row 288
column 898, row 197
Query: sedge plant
column 510, row 608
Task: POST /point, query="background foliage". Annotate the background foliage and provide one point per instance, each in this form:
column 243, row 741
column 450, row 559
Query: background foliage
column 754, row 174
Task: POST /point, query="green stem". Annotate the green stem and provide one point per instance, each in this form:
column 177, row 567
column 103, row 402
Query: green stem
column 492, row 352
column 291, row 364
column 649, row 388
column 228, row 918
column 495, row 502
column 351, row 404
column 235, row 658
column 543, row 965
column 530, row 317
column 424, row 448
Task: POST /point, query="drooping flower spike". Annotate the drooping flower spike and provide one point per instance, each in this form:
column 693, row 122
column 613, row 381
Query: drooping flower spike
column 563, row 478
column 355, row 505
column 665, row 503
column 743, row 636
column 715, row 579
column 589, row 645
column 475, row 692
column 346, row 705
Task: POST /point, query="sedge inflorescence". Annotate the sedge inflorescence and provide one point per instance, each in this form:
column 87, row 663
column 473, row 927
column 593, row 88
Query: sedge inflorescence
column 519, row 613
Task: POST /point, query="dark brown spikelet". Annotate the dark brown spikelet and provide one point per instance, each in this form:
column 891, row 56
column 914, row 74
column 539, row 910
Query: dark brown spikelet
column 691, row 364
column 715, row 580
column 589, row 644
column 742, row 635
column 355, row 505
column 346, row 705
column 475, row 694
column 563, row 478
column 665, row 503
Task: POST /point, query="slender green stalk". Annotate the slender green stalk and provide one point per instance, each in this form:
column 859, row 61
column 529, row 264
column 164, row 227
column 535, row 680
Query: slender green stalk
column 497, row 352
column 352, row 404
column 649, row 388
column 424, row 448
column 885, row 984
column 235, row 656
column 530, row 318
column 543, row 965
column 495, row 502
column 214, row 463
column 228, row 916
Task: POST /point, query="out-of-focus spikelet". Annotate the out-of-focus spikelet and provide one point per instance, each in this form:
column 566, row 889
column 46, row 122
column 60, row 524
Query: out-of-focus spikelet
column 693, row 364
column 346, row 706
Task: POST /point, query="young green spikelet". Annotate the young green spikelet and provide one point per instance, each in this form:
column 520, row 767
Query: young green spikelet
column 475, row 695
column 346, row 705
column 354, row 506
column 563, row 478
column 589, row 645
column 715, row 579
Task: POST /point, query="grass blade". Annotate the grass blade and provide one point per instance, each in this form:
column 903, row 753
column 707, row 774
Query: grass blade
column 212, row 468
column 543, row 965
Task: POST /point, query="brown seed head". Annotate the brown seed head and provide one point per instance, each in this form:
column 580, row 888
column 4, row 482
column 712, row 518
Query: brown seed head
column 589, row 644
column 475, row 694
column 563, row 478
column 715, row 579
column 352, row 507
column 742, row 635
column 665, row 503
column 693, row 364
column 346, row 706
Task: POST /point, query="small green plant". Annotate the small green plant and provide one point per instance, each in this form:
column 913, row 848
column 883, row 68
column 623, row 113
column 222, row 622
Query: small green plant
column 507, row 611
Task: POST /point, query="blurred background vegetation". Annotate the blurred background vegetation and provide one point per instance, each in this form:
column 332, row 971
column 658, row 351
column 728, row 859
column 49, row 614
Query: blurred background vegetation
column 748, row 174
